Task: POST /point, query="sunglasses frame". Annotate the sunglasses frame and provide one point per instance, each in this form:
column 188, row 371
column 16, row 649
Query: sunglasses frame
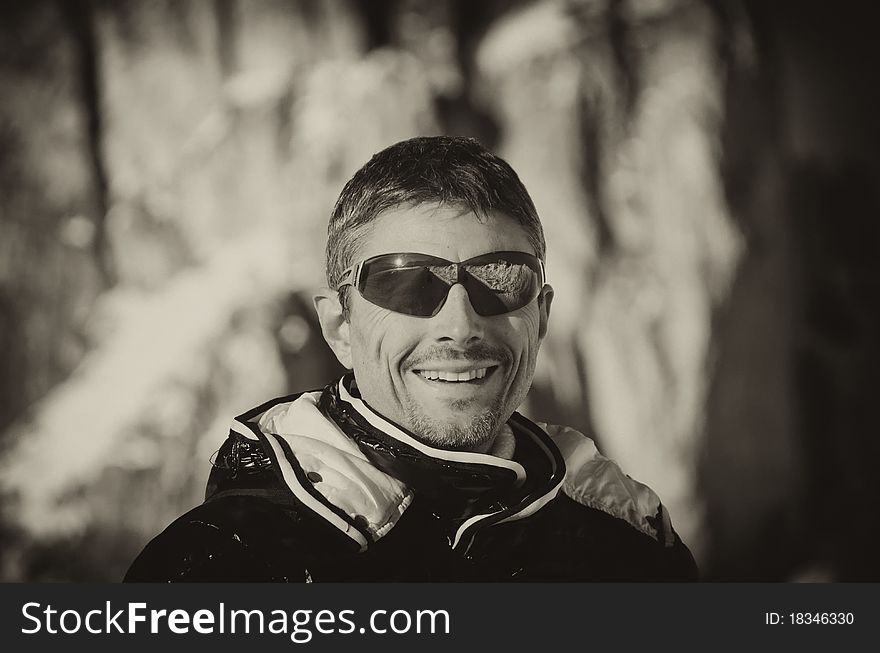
column 352, row 275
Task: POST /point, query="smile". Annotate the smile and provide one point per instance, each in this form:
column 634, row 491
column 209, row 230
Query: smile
column 453, row 377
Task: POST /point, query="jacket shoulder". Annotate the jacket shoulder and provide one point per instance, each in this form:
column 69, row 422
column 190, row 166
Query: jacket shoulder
column 598, row 482
column 635, row 522
column 588, row 544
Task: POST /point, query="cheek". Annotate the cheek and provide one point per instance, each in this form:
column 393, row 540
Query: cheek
column 377, row 341
column 526, row 331
column 367, row 338
column 523, row 333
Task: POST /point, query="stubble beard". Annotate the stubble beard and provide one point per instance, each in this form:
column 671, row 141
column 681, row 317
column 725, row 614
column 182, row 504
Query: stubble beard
column 477, row 433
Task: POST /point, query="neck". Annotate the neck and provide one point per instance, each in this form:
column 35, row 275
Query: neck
column 503, row 444
column 483, row 447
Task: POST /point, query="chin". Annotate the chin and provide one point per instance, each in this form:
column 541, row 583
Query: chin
column 465, row 433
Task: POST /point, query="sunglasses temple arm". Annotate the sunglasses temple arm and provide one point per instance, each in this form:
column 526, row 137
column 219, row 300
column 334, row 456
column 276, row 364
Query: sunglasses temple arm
column 350, row 276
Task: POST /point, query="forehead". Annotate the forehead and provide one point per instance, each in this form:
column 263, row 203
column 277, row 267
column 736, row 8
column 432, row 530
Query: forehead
column 451, row 232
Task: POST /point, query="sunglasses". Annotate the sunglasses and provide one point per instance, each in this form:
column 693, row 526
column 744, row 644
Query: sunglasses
column 417, row 284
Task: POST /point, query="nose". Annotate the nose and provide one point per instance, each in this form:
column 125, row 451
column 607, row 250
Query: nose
column 457, row 320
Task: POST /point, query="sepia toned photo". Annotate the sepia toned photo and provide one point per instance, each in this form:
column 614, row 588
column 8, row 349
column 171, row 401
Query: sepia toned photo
column 410, row 291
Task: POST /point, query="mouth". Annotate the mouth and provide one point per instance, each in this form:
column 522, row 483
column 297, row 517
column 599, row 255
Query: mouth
column 473, row 376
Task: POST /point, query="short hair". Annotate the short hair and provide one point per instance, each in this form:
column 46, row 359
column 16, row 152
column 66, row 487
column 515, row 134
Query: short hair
column 448, row 170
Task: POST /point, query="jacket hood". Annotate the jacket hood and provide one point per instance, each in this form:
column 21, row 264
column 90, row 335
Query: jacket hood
column 358, row 471
column 342, row 461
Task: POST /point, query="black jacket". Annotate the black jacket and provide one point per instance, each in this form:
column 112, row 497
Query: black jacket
column 317, row 487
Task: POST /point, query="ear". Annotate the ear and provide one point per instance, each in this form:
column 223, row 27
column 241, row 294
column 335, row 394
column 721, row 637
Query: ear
column 336, row 329
column 544, row 301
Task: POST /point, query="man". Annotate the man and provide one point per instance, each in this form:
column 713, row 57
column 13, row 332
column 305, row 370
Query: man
column 416, row 467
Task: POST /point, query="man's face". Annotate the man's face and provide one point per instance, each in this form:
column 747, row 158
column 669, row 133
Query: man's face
column 393, row 354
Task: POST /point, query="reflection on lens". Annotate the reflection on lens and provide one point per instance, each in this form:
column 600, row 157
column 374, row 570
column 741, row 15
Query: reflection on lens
column 503, row 276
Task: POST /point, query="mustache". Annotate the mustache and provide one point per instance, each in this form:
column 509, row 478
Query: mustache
column 477, row 352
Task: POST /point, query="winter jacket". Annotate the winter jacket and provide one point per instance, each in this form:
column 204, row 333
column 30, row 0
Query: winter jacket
column 319, row 487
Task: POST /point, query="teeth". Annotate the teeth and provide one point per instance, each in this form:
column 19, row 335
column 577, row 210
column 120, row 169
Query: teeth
column 470, row 375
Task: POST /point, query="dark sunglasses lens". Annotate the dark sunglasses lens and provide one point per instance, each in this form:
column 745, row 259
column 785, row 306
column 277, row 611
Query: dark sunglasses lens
column 409, row 290
column 502, row 286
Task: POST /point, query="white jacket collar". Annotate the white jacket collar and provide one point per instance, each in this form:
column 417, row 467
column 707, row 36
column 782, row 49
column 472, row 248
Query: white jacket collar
column 328, row 474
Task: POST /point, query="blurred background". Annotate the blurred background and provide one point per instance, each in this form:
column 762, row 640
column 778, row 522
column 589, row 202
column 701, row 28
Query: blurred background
column 706, row 172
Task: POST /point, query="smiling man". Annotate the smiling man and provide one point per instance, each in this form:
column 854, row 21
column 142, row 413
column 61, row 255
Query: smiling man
column 416, row 466
column 446, row 349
